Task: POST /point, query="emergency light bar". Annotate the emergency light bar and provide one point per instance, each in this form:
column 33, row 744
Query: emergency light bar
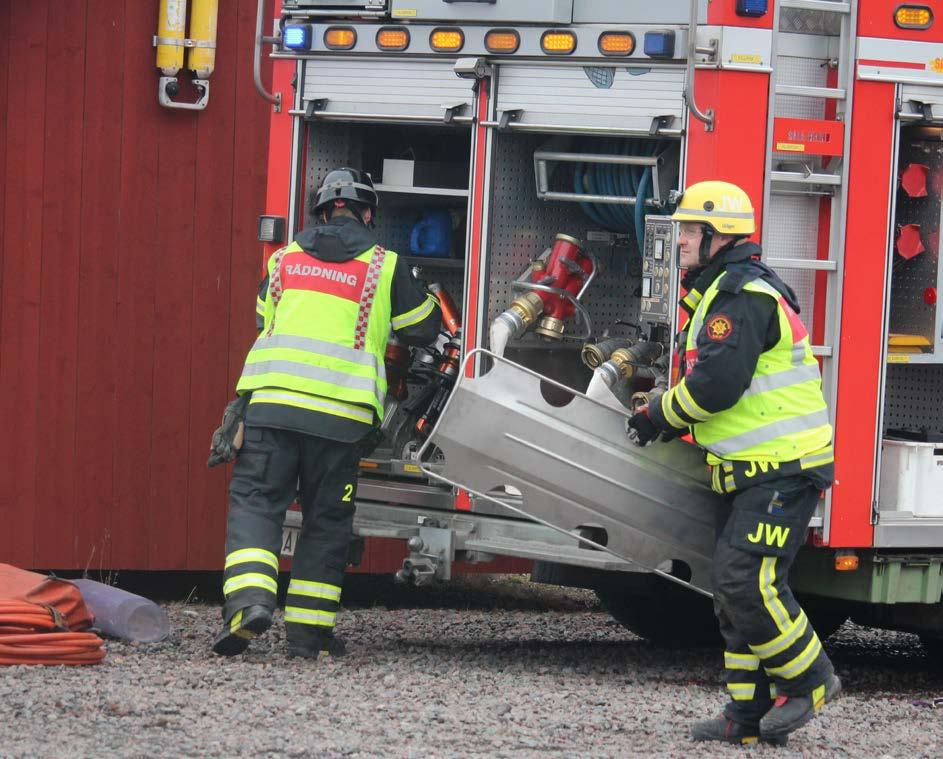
column 297, row 36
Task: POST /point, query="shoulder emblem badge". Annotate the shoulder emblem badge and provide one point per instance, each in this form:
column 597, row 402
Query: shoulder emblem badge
column 719, row 328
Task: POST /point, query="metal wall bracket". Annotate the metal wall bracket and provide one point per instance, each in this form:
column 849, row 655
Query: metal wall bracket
column 167, row 86
column 510, row 117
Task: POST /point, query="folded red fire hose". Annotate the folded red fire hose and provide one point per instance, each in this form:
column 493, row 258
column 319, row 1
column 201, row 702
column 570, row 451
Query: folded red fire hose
column 42, row 619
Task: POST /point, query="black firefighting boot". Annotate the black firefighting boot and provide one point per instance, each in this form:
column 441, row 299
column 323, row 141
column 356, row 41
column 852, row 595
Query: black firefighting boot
column 728, row 731
column 322, row 645
column 789, row 713
column 244, row 625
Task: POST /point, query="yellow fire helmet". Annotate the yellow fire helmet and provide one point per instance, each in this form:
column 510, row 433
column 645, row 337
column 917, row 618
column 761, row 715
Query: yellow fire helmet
column 722, row 206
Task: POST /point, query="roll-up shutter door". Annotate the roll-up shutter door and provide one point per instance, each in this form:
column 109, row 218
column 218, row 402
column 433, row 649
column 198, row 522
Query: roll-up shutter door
column 592, row 97
column 923, row 101
column 417, row 90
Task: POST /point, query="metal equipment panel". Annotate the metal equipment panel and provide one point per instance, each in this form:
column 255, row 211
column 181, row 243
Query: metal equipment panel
column 575, row 468
column 912, row 398
column 522, row 226
column 571, row 97
column 528, row 11
column 387, row 89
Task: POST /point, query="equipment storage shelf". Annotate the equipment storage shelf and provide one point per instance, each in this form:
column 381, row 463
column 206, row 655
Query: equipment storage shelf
column 528, row 211
column 421, row 176
column 915, row 328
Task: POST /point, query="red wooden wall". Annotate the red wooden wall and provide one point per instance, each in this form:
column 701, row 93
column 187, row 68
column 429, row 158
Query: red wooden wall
column 128, row 271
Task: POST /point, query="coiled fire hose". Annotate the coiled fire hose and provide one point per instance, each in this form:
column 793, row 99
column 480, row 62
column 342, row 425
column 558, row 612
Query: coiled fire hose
column 35, row 634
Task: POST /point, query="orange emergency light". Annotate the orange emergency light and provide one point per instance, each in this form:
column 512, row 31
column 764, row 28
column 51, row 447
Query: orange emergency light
column 447, row 40
column 340, row 38
column 558, row 43
column 913, row 17
column 393, row 39
column 616, row 43
column 502, row 41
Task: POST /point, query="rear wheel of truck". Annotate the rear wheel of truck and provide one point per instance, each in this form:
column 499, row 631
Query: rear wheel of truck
column 668, row 614
column 662, row 612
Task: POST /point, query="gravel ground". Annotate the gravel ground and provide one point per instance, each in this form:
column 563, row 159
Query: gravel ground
column 486, row 666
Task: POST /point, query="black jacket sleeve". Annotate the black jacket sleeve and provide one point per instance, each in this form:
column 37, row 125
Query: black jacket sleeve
column 260, row 305
column 737, row 328
column 416, row 317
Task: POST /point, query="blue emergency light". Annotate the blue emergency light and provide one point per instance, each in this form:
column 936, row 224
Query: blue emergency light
column 752, row 8
column 297, row 36
column 659, row 44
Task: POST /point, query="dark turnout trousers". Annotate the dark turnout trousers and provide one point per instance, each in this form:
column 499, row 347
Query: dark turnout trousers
column 771, row 648
column 273, row 466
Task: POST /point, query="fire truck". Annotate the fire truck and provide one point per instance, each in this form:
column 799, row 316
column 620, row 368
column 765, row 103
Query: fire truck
column 527, row 154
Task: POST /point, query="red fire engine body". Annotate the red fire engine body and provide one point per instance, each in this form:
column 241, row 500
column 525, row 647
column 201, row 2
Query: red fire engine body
column 501, row 125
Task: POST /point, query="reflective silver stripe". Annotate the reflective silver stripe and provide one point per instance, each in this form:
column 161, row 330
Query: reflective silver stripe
column 817, row 459
column 768, row 432
column 416, row 315
column 307, row 371
column 312, row 345
column 314, row 590
column 742, row 691
column 249, row 580
column 763, row 383
column 781, row 642
column 309, row 616
column 246, row 555
column 695, row 214
column 800, row 664
column 308, row 401
column 748, row 662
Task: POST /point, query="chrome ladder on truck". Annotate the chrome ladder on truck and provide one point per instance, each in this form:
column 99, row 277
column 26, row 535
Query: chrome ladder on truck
column 788, row 177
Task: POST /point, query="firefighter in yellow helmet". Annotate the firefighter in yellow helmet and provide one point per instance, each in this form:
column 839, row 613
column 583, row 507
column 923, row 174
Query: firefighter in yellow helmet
column 317, row 384
column 749, row 392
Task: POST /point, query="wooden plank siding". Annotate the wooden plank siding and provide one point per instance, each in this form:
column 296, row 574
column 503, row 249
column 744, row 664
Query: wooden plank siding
column 128, row 273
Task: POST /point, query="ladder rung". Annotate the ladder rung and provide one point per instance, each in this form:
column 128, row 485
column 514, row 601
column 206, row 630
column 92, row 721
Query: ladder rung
column 822, row 350
column 803, row 263
column 829, row 93
column 816, row 5
column 801, row 177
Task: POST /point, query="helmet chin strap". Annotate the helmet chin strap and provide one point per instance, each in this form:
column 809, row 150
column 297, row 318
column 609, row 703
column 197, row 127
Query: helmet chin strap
column 704, row 252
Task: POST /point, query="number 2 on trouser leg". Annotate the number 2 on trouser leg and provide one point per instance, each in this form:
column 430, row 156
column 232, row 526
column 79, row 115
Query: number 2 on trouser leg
column 328, row 492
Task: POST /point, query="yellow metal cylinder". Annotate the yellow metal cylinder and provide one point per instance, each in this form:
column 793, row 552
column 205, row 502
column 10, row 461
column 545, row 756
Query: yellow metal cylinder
column 201, row 58
column 171, row 26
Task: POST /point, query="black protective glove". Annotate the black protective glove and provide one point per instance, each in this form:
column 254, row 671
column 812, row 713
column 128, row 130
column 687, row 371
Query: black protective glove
column 643, row 429
column 227, row 439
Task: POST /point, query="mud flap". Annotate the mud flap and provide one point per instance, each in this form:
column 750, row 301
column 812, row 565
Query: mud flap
column 575, row 467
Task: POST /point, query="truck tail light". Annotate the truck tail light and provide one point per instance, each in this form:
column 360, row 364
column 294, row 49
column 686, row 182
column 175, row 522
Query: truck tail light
column 297, row 37
column 393, row 39
column 913, row 17
column 340, row 38
column 558, row 43
column 447, row 40
column 616, row 43
column 502, row 41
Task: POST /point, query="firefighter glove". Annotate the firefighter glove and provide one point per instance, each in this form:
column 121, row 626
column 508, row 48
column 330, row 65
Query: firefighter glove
column 642, row 429
column 227, row 439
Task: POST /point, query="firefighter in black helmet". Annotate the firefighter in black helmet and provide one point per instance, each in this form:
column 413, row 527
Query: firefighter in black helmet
column 317, row 384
